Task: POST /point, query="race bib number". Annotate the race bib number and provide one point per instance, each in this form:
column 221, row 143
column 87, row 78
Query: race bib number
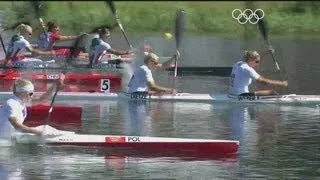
column 105, row 85
column 53, row 76
column 139, row 95
column 250, row 98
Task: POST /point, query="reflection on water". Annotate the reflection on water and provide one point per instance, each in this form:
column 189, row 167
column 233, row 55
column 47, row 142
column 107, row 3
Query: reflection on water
column 276, row 141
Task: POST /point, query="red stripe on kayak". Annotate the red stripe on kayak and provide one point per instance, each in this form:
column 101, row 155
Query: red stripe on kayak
column 119, row 139
column 200, row 147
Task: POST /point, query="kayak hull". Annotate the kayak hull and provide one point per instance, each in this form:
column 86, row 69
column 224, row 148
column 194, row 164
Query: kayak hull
column 186, row 97
column 143, row 143
column 74, row 82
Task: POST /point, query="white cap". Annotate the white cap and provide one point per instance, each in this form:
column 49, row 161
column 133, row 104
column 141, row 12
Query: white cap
column 26, row 88
column 151, row 55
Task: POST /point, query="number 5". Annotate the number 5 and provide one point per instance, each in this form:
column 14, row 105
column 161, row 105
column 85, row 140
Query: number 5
column 105, row 85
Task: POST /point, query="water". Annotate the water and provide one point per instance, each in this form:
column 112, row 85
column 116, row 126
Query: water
column 276, row 141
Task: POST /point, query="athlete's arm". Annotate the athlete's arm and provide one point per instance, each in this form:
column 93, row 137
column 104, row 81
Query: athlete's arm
column 65, row 38
column 155, row 87
column 272, row 82
column 168, row 63
column 116, row 52
column 20, row 126
column 39, row 52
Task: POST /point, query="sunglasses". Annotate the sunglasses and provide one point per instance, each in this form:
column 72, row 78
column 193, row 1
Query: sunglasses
column 257, row 62
column 155, row 62
column 31, row 94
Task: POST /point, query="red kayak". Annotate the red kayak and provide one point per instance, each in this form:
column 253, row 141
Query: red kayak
column 65, row 51
column 62, row 117
column 75, row 82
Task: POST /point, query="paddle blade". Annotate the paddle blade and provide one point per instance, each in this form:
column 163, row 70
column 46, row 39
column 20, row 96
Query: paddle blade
column 263, row 26
column 75, row 47
column 36, row 6
column 179, row 26
column 112, row 7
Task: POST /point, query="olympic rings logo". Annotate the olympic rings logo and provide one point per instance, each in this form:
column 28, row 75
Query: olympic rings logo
column 248, row 15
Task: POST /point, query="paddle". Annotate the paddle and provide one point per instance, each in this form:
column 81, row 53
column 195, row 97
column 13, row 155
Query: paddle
column 36, row 6
column 3, row 46
column 74, row 48
column 69, row 58
column 179, row 29
column 114, row 12
column 264, row 31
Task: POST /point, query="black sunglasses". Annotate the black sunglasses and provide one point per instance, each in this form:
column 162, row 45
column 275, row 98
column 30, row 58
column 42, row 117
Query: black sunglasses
column 30, row 94
column 155, row 62
column 257, row 62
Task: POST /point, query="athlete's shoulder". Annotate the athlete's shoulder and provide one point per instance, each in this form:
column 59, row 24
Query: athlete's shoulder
column 95, row 41
column 12, row 102
column 105, row 44
column 16, row 37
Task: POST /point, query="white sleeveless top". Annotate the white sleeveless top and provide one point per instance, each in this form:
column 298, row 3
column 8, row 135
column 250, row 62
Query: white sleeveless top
column 241, row 77
column 13, row 107
column 139, row 80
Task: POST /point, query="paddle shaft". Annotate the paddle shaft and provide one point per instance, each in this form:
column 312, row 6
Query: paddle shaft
column 264, row 31
column 48, row 118
column 275, row 61
column 124, row 34
column 114, row 12
column 179, row 29
column 3, row 46
column 36, row 6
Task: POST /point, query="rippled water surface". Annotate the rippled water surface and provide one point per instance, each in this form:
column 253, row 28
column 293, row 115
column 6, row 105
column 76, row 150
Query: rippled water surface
column 276, row 141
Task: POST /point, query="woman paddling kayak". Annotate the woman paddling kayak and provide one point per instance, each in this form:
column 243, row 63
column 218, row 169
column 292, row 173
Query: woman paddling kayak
column 18, row 45
column 48, row 39
column 99, row 47
column 14, row 112
column 243, row 72
column 142, row 81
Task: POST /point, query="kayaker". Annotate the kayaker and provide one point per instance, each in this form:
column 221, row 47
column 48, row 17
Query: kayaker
column 47, row 39
column 13, row 112
column 243, row 72
column 100, row 47
column 18, row 45
column 142, row 80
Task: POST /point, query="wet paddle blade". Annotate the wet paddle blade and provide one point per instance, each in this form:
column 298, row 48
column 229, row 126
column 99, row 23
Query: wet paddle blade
column 178, row 33
column 36, row 6
column 112, row 7
column 263, row 27
column 179, row 27
column 74, row 48
column 114, row 12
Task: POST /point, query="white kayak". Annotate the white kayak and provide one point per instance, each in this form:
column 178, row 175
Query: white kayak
column 186, row 97
column 142, row 143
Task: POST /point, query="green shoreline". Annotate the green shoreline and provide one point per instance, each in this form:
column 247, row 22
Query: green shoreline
column 284, row 18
